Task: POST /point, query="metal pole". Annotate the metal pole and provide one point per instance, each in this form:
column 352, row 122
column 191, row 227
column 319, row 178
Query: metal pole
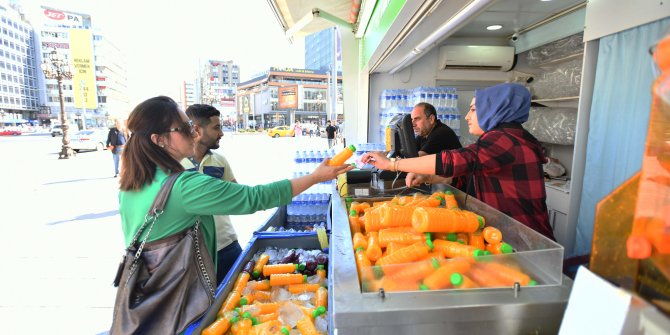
column 66, row 150
column 82, row 84
column 333, row 91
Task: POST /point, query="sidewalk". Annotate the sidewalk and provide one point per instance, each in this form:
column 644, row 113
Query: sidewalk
column 60, row 229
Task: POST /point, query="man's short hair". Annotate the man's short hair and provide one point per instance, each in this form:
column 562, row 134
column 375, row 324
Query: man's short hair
column 428, row 109
column 200, row 113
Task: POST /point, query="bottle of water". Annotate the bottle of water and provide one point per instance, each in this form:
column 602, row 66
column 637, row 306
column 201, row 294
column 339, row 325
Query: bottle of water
column 443, row 98
column 382, row 99
column 457, row 128
column 454, row 99
column 305, row 161
column 405, row 98
column 297, row 159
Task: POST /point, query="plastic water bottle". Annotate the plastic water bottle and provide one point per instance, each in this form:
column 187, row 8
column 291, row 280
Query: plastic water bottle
column 454, row 99
column 443, row 98
column 457, row 128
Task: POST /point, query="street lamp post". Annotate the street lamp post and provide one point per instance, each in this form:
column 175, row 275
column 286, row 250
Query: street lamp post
column 55, row 67
column 82, row 85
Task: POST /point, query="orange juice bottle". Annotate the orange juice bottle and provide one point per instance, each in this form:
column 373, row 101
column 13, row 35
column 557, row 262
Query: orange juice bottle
column 342, row 156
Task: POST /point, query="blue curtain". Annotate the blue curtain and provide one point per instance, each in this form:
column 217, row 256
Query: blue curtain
column 619, row 118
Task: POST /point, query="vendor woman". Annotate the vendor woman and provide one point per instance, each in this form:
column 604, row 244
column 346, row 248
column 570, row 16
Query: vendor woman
column 505, row 162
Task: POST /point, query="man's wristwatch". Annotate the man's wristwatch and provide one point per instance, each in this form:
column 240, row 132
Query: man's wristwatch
column 393, row 159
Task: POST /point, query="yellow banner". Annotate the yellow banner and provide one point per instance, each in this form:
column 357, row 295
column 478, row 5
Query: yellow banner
column 83, row 69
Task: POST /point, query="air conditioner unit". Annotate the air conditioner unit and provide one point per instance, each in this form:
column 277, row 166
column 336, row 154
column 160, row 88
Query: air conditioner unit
column 480, row 57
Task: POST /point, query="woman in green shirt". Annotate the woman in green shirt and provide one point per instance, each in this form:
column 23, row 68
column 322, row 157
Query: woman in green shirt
column 162, row 135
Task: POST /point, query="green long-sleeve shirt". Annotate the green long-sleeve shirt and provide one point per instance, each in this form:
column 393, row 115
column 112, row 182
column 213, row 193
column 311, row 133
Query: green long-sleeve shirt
column 196, row 194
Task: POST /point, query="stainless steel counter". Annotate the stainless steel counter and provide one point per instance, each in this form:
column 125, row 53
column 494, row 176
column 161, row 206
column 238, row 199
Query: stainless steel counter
column 536, row 310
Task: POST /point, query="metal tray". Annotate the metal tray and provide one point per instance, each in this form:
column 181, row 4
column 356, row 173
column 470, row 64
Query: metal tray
column 537, row 309
column 257, row 243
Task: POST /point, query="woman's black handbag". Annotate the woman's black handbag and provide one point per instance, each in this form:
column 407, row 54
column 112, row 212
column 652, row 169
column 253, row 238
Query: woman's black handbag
column 163, row 285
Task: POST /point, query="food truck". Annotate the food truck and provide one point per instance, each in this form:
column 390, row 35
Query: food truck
column 589, row 67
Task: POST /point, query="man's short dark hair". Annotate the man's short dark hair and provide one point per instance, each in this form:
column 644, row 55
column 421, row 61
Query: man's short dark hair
column 428, row 109
column 200, row 113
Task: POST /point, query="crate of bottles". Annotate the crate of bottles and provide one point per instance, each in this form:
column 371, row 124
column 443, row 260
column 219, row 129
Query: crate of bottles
column 306, row 213
column 277, row 282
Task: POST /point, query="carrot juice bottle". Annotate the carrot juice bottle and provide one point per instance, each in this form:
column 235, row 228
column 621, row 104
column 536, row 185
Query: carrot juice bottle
column 342, row 156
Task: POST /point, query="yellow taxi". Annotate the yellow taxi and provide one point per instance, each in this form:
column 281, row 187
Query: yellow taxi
column 281, row 131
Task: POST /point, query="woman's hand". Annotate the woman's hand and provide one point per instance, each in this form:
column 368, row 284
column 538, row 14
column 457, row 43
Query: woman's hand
column 325, row 172
column 378, row 160
column 414, row 179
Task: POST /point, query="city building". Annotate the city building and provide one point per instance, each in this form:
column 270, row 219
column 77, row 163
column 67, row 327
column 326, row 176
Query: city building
column 319, row 49
column 187, row 95
column 218, row 85
column 111, row 79
column 282, row 96
column 97, row 91
column 19, row 101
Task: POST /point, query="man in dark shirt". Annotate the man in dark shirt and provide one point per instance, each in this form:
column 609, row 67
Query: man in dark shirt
column 330, row 131
column 433, row 136
column 116, row 139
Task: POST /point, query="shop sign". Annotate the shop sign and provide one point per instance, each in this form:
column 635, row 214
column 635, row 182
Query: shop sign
column 55, row 45
column 57, row 15
column 292, row 70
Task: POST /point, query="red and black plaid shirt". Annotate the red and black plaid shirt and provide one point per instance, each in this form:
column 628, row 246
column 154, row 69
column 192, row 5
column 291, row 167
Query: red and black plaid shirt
column 507, row 163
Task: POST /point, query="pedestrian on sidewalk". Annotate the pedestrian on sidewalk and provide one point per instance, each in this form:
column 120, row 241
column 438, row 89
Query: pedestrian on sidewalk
column 207, row 126
column 330, row 132
column 116, row 140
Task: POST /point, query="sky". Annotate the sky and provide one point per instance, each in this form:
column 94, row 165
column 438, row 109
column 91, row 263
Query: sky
column 164, row 41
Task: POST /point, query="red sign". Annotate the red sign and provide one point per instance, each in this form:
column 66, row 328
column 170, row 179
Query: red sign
column 54, row 14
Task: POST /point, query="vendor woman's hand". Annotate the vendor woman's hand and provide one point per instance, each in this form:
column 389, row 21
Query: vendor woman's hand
column 378, row 160
column 414, row 179
column 325, row 172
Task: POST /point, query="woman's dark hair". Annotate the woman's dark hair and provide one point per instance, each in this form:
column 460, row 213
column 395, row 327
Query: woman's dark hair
column 141, row 156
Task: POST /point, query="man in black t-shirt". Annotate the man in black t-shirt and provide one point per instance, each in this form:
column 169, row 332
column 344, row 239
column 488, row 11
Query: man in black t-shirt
column 433, row 136
column 330, row 131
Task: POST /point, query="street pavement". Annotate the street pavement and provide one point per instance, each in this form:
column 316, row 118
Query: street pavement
column 60, row 228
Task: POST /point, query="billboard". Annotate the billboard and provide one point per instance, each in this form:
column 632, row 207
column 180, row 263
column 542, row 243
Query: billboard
column 288, row 96
column 55, row 17
column 83, row 69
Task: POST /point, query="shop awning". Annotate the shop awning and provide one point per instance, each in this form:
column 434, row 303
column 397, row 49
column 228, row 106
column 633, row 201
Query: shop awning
column 299, row 17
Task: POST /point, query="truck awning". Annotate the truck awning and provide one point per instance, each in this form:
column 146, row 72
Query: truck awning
column 299, row 17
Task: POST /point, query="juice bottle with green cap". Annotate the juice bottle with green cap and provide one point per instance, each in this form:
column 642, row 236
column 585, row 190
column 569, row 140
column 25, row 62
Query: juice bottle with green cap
column 342, row 156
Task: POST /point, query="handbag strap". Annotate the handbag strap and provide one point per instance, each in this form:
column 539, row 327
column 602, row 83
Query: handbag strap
column 156, row 208
column 155, row 211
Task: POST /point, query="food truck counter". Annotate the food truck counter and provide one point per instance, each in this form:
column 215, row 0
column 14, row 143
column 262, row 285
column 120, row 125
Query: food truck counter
column 536, row 309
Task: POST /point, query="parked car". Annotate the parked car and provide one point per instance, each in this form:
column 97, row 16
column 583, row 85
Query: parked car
column 90, row 139
column 281, row 131
column 9, row 132
column 58, row 129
